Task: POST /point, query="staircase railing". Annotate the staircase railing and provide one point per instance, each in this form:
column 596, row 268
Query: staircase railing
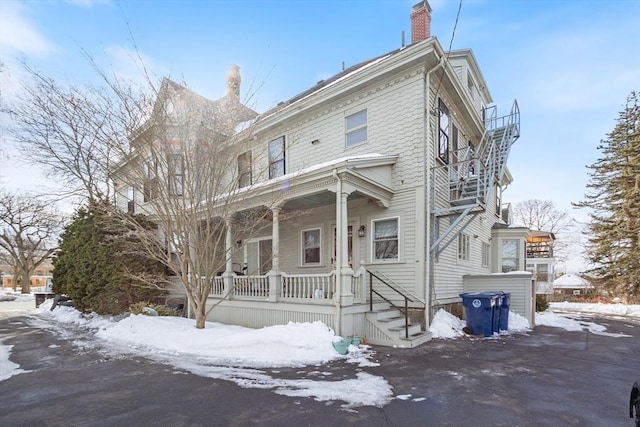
column 404, row 310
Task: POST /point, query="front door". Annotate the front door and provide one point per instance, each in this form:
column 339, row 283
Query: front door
column 334, row 258
column 258, row 256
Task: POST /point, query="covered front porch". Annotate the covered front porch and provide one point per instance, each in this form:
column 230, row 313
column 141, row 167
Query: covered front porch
column 308, row 265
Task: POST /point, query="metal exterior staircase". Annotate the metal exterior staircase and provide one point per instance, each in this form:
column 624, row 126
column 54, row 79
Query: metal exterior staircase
column 462, row 188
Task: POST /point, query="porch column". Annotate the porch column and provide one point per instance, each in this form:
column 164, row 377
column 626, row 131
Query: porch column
column 342, row 230
column 274, row 274
column 227, row 276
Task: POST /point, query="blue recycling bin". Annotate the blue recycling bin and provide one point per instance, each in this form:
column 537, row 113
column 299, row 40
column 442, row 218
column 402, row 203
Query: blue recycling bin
column 481, row 310
column 501, row 321
column 504, row 311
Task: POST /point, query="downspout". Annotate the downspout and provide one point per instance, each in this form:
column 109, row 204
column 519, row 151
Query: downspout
column 338, row 265
column 429, row 263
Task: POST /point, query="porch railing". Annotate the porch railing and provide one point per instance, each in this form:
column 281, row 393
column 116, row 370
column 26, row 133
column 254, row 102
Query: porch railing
column 251, row 286
column 319, row 287
column 218, row 286
column 308, row 286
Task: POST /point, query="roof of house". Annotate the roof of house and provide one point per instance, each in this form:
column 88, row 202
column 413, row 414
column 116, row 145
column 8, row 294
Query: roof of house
column 571, row 281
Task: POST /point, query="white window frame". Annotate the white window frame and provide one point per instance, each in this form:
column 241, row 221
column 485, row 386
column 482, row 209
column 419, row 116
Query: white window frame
column 303, row 247
column 245, row 169
column 486, row 254
column 374, row 240
column 444, row 127
column 464, row 247
column 356, row 129
column 280, row 158
column 175, row 166
column 516, row 258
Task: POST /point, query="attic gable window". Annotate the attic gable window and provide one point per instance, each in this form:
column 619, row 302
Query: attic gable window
column 276, row 158
column 356, row 128
column 443, row 135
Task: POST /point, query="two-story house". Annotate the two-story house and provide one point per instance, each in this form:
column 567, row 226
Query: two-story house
column 384, row 186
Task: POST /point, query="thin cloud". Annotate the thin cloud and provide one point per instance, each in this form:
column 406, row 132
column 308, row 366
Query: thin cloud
column 88, row 3
column 18, row 34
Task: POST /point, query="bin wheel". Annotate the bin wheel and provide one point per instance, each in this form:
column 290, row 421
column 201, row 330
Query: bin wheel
column 467, row 330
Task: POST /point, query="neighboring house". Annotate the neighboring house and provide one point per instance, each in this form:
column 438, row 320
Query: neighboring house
column 398, row 164
column 540, row 260
column 572, row 284
column 40, row 276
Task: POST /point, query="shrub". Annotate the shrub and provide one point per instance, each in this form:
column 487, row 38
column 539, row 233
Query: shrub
column 99, row 266
column 162, row 310
column 541, row 303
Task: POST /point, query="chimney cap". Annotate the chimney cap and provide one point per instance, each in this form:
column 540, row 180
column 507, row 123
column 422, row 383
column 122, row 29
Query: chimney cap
column 422, row 4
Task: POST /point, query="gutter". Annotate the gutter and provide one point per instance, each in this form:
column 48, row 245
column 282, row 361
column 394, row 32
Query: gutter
column 429, row 263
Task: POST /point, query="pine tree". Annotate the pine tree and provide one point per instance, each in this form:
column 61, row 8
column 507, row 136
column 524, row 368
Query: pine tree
column 98, row 266
column 614, row 201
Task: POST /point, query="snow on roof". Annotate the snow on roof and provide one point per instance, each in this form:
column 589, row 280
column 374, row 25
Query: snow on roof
column 571, row 281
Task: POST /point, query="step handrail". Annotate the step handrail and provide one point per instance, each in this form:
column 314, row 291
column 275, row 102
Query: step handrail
column 400, row 287
column 405, row 311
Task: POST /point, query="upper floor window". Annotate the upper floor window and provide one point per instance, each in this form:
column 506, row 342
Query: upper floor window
column 244, row 169
column 464, row 247
column 443, row 133
column 276, row 158
column 356, row 128
column 311, row 246
column 385, row 239
column 150, row 187
column 175, row 176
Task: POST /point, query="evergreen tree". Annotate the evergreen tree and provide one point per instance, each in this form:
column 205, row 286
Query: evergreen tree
column 614, row 199
column 99, row 265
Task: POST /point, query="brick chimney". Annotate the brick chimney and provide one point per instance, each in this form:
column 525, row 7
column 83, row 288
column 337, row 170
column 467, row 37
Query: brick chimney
column 420, row 22
column 233, row 81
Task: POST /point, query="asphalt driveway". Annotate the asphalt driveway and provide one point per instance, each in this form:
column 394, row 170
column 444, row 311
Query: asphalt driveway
column 549, row 377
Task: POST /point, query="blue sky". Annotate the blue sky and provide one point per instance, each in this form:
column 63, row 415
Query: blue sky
column 569, row 63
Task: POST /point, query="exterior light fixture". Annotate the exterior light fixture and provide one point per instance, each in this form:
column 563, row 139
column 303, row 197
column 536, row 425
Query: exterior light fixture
column 361, row 231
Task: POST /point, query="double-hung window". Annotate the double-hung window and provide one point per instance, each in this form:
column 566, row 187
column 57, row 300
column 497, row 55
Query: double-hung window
column 510, row 255
column 311, row 246
column 176, row 176
column 385, row 239
column 150, row 187
column 356, row 128
column 443, row 135
column 276, row 158
column 244, row 169
column 486, row 250
column 464, row 247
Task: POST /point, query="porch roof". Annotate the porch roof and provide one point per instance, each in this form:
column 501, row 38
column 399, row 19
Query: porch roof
column 362, row 176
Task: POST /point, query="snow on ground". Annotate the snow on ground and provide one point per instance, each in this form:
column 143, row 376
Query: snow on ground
column 251, row 357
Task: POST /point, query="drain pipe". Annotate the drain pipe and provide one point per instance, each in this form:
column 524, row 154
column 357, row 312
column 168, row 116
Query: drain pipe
column 429, row 263
column 337, row 324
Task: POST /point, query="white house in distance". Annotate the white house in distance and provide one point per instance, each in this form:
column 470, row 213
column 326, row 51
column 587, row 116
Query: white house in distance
column 398, row 164
column 572, row 284
column 541, row 261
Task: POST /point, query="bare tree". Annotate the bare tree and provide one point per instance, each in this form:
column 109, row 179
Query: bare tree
column 542, row 215
column 28, row 232
column 192, row 172
column 75, row 133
